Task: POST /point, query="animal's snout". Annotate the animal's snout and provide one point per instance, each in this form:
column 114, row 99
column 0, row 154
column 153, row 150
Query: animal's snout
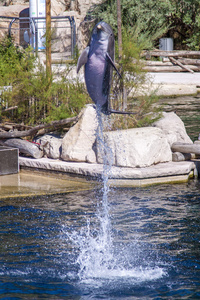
column 99, row 27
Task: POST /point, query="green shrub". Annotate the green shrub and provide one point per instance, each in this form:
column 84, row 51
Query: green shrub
column 37, row 99
column 133, row 92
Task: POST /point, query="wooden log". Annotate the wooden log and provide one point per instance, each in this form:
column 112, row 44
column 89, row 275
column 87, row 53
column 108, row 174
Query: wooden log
column 178, row 156
column 157, row 63
column 175, row 61
column 33, row 131
column 169, row 68
column 11, row 126
column 174, row 53
column 25, row 147
column 189, row 61
column 7, row 127
column 186, row 148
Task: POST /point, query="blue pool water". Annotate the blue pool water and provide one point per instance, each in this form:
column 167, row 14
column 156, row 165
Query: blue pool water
column 55, row 247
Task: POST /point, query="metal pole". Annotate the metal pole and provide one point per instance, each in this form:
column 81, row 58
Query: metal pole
column 10, row 26
column 74, row 35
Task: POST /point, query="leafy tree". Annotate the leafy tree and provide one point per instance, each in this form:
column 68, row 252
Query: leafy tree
column 145, row 19
column 148, row 20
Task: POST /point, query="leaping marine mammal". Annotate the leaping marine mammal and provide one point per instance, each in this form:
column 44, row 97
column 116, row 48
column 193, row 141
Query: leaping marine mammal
column 98, row 58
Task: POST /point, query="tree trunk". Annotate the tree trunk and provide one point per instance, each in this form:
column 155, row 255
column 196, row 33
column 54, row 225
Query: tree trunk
column 48, row 39
column 119, row 27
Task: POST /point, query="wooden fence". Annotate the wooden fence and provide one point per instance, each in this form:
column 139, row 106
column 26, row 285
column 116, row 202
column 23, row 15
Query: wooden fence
column 172, row 61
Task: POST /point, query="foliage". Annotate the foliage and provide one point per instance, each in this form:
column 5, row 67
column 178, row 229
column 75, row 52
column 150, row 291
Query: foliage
column 146, row 20
column 127, row 90
column 13, row 61
column 185, row 23
column 37, row 99
column 149, row 20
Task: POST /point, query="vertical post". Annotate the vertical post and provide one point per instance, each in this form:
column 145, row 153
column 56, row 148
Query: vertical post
column 119, row 27
column 48, row 40
column 123, row 92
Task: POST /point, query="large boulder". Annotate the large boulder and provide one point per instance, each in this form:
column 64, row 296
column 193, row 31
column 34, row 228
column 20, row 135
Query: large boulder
column 173, row 127
column 77, row 144
column 137, row 147
column 51, row 145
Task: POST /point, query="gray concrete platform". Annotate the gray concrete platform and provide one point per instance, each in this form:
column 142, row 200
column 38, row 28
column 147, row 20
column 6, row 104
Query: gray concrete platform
column 170, row 172
column 182, row 78
column 175, row 84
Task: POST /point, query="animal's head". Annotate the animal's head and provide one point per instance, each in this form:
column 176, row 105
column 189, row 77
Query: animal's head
column 102, row 31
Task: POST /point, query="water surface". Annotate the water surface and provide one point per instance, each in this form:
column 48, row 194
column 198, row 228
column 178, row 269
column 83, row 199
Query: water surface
column 53, row 247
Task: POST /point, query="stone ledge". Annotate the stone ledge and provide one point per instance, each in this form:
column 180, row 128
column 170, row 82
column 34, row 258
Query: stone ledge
column 161, row 173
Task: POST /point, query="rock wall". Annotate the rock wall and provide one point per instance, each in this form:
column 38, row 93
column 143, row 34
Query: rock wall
column 76, row 8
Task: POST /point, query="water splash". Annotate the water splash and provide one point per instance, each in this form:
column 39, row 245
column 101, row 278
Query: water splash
column 97, row 256
column 96, row 247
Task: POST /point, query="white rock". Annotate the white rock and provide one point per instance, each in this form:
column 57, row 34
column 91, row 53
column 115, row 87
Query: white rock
column 78, row 142
column 51, row 145
column 173, row 127
column 137, row 147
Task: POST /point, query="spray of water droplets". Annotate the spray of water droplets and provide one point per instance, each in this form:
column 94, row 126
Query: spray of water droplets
column 96, row 258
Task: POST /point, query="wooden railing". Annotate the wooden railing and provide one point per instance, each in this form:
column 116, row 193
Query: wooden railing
column 172, row 61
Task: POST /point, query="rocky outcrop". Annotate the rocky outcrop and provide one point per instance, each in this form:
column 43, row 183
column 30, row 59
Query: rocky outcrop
column 137, row 147
column 173, row 127
column 51, row 145
column 133, row 148
column 77, row 144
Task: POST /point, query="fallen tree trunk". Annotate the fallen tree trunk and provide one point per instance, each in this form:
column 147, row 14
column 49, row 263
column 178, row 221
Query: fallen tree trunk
column 186, row 148
column 34, row 131
column 156, row 63
column 189, row 61
column 170, row 53
column 25, row 147
column 184, row 67
column 178, row 156
column 169, row 68
column 6, row 126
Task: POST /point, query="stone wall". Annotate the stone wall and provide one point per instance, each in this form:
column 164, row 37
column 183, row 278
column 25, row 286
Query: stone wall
column 76, row 8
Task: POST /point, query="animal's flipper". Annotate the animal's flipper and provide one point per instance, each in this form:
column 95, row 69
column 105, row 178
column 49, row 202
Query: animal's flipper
column 113, row 111
column 113, row 64
column 82, row 60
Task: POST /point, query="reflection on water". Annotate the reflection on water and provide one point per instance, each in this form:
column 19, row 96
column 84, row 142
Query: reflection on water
column 188, row 109
column 155, row 245
column 30, row 183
